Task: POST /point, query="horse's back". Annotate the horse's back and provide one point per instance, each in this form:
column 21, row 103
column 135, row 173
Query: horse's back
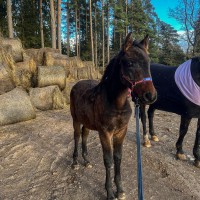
column 170, row 98
column 83, row 85
column 81, row 103
column 162, row 75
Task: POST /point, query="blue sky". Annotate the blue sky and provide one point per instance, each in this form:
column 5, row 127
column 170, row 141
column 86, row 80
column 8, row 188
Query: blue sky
column 162, row 9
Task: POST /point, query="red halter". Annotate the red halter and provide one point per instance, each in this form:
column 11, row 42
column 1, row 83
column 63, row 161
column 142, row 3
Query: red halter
column 133, row 84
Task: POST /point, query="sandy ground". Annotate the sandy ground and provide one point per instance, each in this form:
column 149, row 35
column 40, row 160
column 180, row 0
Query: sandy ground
column 35, row 159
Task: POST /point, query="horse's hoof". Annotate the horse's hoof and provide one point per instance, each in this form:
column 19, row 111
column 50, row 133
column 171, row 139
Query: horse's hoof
column 155, row 138
column 197, row 163
column 147, row 143
column 121, row 196
column 75, row 166
column 88, row 165
column 181, row 156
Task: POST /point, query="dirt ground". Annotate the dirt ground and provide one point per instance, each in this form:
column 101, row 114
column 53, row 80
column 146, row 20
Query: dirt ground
column 35, row 159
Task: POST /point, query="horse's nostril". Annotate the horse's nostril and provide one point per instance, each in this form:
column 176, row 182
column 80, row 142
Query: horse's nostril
column 148, row 96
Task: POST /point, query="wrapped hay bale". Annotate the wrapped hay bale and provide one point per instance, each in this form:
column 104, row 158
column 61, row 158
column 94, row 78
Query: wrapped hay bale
column 14, row 47
column 67, row 90
column 56, row 59
column 51, row 76
column 38, row 54
column 15, row 106
column 47, row 98
column 6, row 83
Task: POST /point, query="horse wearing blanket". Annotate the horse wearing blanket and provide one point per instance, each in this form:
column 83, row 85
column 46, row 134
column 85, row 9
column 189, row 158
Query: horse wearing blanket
column 178, row 92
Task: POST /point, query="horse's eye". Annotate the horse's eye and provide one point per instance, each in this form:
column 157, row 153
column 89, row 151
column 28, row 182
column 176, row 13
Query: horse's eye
column 130, row 63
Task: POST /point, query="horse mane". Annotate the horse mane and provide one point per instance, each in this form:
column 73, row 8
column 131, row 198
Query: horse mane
column 108, row 73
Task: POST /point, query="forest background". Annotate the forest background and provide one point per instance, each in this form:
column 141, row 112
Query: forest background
column 95, row 29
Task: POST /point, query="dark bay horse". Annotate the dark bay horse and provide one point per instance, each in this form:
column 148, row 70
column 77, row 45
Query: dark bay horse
column 171, row 99
column 104, row 106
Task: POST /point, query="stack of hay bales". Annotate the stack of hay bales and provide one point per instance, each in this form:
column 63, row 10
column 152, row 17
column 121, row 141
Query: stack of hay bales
column 43, row 78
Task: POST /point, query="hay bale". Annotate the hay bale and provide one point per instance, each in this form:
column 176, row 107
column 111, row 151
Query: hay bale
column 22, row 75
column 14, row 47
column 15, row 106
column 76, row 62
column 56, row 59
column 38, row 54
column 83, row 73
column 47, row 98
column 7, row 60
column 66, row 91
column 51, row 76
column 6, row 83
column 73, row 73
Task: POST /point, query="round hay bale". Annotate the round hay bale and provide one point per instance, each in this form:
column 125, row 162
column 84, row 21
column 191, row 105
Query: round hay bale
column 83, row 73
column 73, row 73
column 54, row 75
column 56, row 59
column 14, row 47
column 76, row 62
column 6, row 83
column 7, row 60
column 67, row 90
column 22, row 75
column 47, row 98
column 38, row 54
column 15, row 106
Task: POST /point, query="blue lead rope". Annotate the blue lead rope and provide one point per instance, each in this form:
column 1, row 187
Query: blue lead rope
column 139, row 154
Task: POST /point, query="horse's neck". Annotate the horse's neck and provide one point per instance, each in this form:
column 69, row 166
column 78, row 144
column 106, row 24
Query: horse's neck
column 195, row 70
column 121, row 99
column 117, row 94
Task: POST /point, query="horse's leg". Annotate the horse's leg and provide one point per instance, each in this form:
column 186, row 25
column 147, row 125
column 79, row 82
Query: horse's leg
column 147, row 142
column 85, row 133
column 196, row 150
column 117, row 144
column 77, row 133
column 150, row 112
column 106, row 142
column 182, row 132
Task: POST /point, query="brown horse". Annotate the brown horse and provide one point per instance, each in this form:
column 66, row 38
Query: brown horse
column 105, row 107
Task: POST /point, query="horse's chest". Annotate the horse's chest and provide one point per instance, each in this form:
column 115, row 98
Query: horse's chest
column 117, row 120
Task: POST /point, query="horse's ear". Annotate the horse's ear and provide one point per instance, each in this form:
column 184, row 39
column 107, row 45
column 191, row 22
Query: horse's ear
column 145, row 42
column 128, row 42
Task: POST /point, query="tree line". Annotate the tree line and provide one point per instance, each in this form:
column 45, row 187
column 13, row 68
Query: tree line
column 95, row 29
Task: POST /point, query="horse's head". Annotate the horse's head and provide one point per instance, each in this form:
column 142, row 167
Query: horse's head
column 135, row 69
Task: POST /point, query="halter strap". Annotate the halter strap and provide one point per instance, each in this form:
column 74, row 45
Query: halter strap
column 133, row 84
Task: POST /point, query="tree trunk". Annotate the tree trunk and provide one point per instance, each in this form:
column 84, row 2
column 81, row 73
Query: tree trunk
column 9, row 15
column 79, row 28
column 53, row 25
column 95, row 22
column 126, row 29
column 108, row 33
column 59, row 25
column 103, row 42
column 41, row 26
column 91, row 32
column 76, row 22
column 68, row 31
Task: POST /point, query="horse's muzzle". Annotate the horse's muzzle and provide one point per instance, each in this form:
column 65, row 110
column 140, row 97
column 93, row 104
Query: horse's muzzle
column 149, row 98
column 145, row 92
